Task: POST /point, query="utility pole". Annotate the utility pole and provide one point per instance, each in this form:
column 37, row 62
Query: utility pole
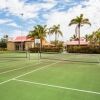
column 21, row 35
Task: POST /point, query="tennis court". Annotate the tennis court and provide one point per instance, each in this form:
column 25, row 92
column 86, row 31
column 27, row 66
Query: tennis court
column 54, row 77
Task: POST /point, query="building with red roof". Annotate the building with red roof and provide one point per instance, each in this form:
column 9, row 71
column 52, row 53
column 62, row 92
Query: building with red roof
column 20, row 43
column 23, row 43
column 83, row 42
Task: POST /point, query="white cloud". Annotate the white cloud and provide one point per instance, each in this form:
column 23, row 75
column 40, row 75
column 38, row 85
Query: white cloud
column 62, row 19
column 90, row 10
column 56, row 0
column 2, row 4
column 9, row 22
column 49, row 0
column 13, row 24
column 16, row 7
column 48, row 5
column 4, row 21
column 18, row 33
column 67, row 0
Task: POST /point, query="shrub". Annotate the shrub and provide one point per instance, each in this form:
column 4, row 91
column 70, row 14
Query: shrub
column 3, row 49
column 45, row 49
column 83, row 49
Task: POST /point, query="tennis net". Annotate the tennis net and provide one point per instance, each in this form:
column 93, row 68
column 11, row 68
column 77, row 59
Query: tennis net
column 72, row 57
column 13, row 54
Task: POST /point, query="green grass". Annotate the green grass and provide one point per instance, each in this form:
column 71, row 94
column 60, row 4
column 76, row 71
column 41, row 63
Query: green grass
column 44, row 79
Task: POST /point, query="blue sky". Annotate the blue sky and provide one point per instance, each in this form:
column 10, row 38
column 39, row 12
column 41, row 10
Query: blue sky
column 48, row 12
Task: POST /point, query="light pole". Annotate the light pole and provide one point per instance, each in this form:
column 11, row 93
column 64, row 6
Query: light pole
column 21, row 35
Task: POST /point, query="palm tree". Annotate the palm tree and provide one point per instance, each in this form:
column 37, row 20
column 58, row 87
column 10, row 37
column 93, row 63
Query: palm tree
column 55, row 29
column 98, row 36
column 49, row 33
column 94, row 38
column 39, row 32
column 91, row 38
column 79, row 21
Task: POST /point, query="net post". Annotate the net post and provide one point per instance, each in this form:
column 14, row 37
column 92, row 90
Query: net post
column 29, row 54
column 26, row 53
column 38, row 41
column 38, row 56
column 40, row 51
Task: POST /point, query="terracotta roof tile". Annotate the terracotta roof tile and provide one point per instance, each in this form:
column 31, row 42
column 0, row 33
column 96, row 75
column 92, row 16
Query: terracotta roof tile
column 76, row 43
column 21, row 38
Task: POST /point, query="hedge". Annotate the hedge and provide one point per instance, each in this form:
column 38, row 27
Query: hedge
column 83, row 49
column 46, row 49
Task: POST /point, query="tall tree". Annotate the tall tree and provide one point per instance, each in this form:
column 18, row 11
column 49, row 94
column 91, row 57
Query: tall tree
column 55, row 29
column 91, row 38
column 79, row 21
column 38, row 32
column 98, row 36
column 3, row 41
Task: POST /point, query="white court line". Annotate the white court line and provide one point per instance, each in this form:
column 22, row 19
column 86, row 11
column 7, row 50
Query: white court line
column 29, row 72
column 56, row 86
column 37, row 69
column 10, row 64
column 18, row 68
column 5, row 81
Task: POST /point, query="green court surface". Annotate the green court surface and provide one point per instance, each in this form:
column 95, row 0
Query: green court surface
column 45, row 79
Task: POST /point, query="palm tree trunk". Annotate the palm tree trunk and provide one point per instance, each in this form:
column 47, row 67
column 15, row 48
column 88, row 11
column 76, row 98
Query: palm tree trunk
column 41, row 42
column 55, row 39
column 40, row 46
column 79, row 34
column 76, row 30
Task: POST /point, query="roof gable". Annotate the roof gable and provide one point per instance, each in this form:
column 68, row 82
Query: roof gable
column 21, row 39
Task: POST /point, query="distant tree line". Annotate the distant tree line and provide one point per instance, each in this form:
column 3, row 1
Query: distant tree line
column 3, row 41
